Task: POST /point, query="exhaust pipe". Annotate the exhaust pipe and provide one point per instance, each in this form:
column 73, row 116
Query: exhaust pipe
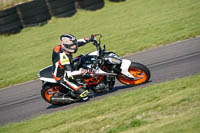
column 62, row 100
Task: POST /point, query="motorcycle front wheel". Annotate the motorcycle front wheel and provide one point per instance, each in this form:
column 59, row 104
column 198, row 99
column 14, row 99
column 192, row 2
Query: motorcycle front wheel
column 140, row 72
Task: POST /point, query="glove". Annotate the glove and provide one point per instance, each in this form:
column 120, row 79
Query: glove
column 87, row 71
column 83, row 71
column 91, row 71
column 92, row 38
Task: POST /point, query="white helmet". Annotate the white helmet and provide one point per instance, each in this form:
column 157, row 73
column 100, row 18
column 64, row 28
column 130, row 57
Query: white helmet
column 68, row 43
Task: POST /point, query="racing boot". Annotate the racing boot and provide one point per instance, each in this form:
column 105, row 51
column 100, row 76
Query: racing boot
column 81, row 94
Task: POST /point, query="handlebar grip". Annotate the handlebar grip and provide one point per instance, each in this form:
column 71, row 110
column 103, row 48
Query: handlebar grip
column 95, row 42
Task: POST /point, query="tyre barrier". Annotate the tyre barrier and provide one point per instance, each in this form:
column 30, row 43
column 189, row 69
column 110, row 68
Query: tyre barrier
column 91, row 4
column 9, row 21
column 38, row 12
column 8, row 11
column 33, row 13
column 61, row 8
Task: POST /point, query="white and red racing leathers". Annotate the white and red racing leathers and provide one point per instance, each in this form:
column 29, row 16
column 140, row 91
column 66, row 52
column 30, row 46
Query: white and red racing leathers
column 63, row 69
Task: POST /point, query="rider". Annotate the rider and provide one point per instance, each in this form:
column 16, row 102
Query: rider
column 63, row 70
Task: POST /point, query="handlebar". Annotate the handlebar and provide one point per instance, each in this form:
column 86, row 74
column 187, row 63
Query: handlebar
column 98, row 44
column 95, row 42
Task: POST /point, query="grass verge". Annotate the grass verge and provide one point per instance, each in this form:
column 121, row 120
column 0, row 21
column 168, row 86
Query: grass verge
column 172, row 106
column 127, row 27
column 4, row 4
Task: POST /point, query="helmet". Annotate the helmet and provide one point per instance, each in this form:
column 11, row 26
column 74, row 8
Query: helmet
column 68, row 43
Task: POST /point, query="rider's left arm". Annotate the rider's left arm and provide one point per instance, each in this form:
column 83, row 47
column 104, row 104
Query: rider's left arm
column 82, row 42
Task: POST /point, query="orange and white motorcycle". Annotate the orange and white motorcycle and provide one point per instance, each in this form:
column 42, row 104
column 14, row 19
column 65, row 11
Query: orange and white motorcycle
column 105, row 68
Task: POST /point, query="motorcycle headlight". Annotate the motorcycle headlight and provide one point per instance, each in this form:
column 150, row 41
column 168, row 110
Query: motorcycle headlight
column 115, row 61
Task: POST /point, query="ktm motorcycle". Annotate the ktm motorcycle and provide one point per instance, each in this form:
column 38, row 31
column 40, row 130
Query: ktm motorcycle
column 104, row 68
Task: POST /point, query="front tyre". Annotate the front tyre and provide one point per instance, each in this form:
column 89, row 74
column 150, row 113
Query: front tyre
column 139, row 71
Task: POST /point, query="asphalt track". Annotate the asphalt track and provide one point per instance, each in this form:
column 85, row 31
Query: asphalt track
column 168, row 62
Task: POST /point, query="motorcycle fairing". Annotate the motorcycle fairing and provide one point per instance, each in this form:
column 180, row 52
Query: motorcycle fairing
column 94, row 53
column 125, row 68
column 51, row 80
column 45, row 75
column 101, row 72
column 125, row 64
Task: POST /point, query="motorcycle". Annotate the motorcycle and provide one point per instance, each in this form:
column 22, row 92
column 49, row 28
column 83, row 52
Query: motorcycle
column 104, row 68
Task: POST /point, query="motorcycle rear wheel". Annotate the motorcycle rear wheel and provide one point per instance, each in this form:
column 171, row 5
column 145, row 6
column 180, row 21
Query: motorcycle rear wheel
column 139, row 71
column 48, row 91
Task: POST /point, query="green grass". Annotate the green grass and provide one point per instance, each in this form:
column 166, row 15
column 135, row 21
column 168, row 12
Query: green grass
column 170, row 107
column 4, row 4
column 127, row 27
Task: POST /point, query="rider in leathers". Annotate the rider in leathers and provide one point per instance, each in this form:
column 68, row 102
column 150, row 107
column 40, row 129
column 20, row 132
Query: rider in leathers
column 63, row 70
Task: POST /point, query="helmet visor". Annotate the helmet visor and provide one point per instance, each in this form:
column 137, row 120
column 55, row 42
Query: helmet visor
column 69, row 45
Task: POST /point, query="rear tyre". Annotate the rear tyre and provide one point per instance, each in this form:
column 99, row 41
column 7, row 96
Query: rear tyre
column 49, row 90
column 139, row 71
